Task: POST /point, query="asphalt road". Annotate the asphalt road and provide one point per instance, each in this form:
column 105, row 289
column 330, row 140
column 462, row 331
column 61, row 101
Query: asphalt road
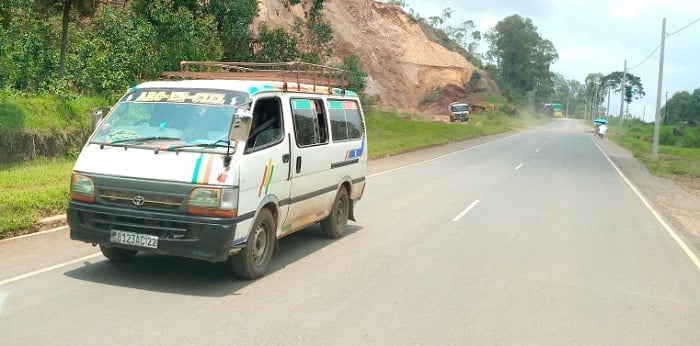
column 529, row 238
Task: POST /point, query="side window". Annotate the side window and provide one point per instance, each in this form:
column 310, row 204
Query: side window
column 346, row 120
column 310, row 125
column 266, row 128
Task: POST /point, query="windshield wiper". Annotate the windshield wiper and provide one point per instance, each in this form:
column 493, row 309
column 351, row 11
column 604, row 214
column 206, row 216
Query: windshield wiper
column 138, row 140
column 144, row 139
column 222, row 143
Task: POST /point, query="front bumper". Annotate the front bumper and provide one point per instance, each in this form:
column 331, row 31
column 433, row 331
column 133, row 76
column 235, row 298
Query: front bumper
column 461, row 116
column 182, row 235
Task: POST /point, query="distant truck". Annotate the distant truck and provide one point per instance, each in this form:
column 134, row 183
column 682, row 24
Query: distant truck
column 554, row 110
column 458, row 111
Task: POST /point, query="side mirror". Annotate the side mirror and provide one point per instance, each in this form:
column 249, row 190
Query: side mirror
column 98, row 114
column 240, row 126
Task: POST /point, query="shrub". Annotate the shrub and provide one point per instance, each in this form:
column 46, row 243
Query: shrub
column 666, row 137
column 430, row 96
column 690, row 138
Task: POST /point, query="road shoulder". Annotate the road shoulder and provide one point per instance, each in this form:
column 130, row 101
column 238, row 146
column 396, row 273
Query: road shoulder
column 678, row 205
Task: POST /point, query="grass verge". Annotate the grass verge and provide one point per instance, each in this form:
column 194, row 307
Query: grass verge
column 30, row 191
column 678, row 157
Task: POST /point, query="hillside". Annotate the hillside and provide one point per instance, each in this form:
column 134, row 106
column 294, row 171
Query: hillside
column 403, row 63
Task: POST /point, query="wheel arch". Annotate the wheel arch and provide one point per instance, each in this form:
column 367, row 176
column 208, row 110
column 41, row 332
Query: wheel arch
column 274, row 209
column 346, row 184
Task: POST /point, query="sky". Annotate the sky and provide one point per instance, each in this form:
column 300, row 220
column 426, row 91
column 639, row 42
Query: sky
column 597, row 36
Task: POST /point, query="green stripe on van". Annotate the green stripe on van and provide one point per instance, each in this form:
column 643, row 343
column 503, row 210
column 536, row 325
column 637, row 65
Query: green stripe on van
column 301, row 104
column 335, row 104
column 197, row 166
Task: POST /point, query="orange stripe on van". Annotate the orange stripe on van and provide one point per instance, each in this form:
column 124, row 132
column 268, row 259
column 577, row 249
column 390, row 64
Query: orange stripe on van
column 207, row 172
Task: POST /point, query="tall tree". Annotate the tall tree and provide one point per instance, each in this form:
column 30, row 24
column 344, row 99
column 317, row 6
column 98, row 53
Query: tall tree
column 233, row 19
column 594, row 91
column 634, row 89
column 184, row 32
column 466, row 36
column 275, row 45
column 315, row 35
column 522, row 57
column 118, row 50
column 47, row 7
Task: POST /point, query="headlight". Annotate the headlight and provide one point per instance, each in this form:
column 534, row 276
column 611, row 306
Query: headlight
column 221, row 202
column 82, row 188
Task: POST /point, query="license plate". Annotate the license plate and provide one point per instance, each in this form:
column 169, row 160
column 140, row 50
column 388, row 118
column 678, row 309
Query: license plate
column 135, row 239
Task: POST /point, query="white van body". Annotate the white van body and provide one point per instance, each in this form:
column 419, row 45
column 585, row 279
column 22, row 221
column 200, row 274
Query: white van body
column 164, row 173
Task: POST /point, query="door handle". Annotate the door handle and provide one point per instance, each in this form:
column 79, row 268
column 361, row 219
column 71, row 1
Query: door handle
column 286, row 158
column 298, row 169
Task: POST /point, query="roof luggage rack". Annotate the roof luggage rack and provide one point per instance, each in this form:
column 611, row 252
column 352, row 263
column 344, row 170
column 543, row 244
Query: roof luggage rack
column 297, row 73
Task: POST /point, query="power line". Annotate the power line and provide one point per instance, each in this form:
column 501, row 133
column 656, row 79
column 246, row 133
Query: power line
column 647, row 58
column 657, row 47
column 683, row 28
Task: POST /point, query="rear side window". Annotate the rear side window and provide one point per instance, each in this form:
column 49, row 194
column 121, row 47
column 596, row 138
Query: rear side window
column 346, row 120
column 310, row 125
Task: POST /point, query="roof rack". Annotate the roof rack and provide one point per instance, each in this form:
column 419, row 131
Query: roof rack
column 295, row 72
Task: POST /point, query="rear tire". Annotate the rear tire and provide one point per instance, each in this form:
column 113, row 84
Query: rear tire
column 252, row 262
column 333, row 226
column 117, row 254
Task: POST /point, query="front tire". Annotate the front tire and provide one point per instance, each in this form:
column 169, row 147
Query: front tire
column 333, row 226
column 117, row 254
column 252, row 262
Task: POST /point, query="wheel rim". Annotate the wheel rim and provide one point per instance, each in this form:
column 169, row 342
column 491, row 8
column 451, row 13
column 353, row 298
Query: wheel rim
column 259, row 244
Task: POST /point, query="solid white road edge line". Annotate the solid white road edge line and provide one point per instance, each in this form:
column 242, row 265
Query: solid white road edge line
column 37, row 272
column 465, row 211
column 658, row 217
column 60, row 228
column 437, row 158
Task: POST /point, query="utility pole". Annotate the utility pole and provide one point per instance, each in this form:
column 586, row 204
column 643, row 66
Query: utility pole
column 622, row 99
column 607, row 109
column 657, row 117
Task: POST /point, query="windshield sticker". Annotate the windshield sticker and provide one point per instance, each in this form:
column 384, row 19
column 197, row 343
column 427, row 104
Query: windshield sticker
column 182, row 97
column 342, row 105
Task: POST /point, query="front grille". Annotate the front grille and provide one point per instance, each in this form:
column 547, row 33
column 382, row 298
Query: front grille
column 145, row 200
column 159, row 228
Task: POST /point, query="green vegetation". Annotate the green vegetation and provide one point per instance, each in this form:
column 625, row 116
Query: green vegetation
column 682, row 105
column 679, row 157
column 510, row 40
column 44, row 112
column 390, row 133
column 89, row 47
column 430, row 96
column 32, row 190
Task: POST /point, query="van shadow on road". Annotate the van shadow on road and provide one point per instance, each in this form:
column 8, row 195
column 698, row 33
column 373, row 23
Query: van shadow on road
column 184, row 276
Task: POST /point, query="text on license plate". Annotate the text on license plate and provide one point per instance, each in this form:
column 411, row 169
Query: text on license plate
column 135, row 239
